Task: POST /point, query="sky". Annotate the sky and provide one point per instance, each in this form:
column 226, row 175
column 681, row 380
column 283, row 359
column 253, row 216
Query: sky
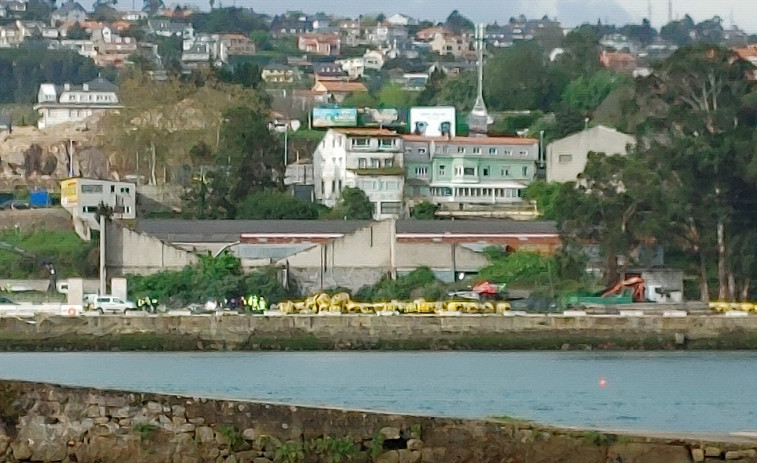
column 568, row 12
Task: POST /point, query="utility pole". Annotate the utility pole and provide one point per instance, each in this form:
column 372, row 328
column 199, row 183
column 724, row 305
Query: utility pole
column 102, row 254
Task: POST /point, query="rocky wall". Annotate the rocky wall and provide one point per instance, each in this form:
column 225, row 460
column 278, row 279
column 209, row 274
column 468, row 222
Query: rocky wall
column 47, row 423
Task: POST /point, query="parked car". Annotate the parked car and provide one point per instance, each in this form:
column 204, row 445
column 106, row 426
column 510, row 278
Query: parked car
column 6, row 301
column 111, row 304
column 14, row 205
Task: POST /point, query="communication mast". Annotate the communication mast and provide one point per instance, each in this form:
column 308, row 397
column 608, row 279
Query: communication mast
column 478, row 119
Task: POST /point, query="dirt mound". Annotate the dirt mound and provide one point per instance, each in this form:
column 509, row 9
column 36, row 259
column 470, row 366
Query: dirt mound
column 54, row 218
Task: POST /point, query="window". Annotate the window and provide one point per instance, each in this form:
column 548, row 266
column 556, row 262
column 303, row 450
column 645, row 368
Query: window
column 391, row 208
column 125, row 190
column 333, row 186
column 362, row 163
column 441, row 171
column 492, row 150
column 458, row 171
column 485, row 171
column 360, row 143
column 505, row 171
column 89, row 209
column 422, row 150
column 508, row 152
column 461, row 149
column 421, row 172
column 388, row 162
column 469, row 171
column 523, row 153
column 91, row 188
column 375, row 163
column 564, row 158
column 525, row 171
column 386, row 143
column 476, row 150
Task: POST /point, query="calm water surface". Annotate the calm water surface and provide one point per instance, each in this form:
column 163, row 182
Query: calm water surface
column 666, row 391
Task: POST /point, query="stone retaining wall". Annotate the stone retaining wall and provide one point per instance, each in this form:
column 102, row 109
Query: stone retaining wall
column 47, row 423
column 244, row 332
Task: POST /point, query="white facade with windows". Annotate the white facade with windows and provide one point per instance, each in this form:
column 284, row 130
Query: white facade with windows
column 81, row 197
column 566, row 158
column 369, row 159
column 74, row 103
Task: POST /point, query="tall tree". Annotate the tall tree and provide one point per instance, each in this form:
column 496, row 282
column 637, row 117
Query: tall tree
column 250, row 153
column 458, row 23
column 515, row 78
column 700, row 134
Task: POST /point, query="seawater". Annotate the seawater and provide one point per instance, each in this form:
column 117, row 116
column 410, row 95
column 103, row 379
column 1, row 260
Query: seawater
column 659, row 391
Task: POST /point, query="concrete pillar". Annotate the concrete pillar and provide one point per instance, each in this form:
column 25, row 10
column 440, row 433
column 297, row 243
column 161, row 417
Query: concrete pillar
column 118, row 288
column 75, row 291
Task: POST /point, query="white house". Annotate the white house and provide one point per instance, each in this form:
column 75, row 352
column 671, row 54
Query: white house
column 73, row 103
column 81, row 197
column 374, row 59
column 354, row 67
column 566, row 158
column 401, row 20
column 369, row 159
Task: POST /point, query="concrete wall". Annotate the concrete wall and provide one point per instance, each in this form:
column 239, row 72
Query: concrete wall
column 438, row 257
column 51, row 423
column 129, row 252
column 599, row 139
column 371, row 332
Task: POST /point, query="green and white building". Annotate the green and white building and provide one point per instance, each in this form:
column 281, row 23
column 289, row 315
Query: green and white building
column 461, row 171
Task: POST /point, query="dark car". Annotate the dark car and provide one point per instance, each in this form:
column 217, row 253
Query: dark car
column 6, row 301
column 15, row 205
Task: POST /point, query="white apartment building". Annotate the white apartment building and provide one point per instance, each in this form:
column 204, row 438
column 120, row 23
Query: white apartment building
column 369, row 159
column 81, row 197
column 74, row 103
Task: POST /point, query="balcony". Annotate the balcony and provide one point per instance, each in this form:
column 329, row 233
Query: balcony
column 388, row 170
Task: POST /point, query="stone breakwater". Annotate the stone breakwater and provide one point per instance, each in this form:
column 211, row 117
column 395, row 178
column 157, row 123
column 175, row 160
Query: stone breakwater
column 302, row 332
column 47, row 423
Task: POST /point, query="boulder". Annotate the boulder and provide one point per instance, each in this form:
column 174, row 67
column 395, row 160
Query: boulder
column 390, row 433
column 391, row 456
column 250, row 434
column 408, row 456
column 414, row 444
column 204, row 434
column 21, row 450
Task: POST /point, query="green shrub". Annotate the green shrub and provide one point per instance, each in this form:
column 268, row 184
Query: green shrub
column 332, row 450
column 289, row 452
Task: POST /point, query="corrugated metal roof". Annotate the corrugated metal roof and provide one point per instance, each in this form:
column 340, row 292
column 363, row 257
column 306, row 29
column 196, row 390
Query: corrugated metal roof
column 229, row 231
column 476, row 227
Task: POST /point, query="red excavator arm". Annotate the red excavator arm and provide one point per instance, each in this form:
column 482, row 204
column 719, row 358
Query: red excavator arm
column 635, row 283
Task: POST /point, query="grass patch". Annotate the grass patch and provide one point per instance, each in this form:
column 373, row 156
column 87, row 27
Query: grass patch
column 233, row 437
column 71, row 255
column 599, row 439
column 145, row 430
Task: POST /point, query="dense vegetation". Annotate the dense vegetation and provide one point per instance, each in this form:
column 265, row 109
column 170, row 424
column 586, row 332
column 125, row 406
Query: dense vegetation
column 691, row 184
column 212, row 278
column 23, row 69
